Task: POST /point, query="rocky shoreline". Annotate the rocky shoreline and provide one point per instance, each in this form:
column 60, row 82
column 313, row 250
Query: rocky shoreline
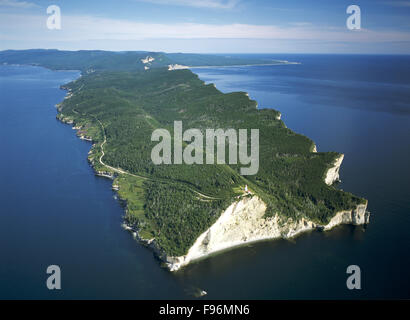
column 241, row 223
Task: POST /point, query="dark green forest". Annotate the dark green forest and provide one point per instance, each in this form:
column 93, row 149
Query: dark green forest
column 132, row 104
column 116, row 99
column 97, row 60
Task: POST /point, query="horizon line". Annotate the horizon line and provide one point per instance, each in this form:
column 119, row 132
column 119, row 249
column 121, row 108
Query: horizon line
column 218, row 53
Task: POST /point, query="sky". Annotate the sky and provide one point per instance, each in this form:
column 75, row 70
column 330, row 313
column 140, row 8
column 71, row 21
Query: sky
column 208, row 26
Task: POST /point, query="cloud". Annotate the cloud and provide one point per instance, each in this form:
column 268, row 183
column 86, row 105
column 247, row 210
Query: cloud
column 214, row 4
column 17, row 4
column 18, row 27
column 301, row 24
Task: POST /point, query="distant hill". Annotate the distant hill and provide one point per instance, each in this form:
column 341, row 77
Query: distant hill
column 96, row 60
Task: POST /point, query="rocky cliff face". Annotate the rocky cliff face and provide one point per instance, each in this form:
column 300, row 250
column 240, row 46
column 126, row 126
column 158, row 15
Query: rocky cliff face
column 332, row 174
column 357, row 216
column 243, row 222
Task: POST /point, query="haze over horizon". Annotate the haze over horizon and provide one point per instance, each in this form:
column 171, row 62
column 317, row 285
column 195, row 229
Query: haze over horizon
column 208, row 26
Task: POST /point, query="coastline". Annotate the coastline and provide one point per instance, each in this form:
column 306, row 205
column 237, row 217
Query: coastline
column 279, row 63
column 243, row 223
column 253, row 227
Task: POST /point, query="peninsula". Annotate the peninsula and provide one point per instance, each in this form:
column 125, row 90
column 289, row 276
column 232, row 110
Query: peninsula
column 186, row 212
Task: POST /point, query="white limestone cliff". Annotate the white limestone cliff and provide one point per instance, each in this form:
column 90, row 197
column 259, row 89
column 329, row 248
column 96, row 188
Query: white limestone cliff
column 172, row 67
column 332, row 173
column 243, row 222
column 148, row 59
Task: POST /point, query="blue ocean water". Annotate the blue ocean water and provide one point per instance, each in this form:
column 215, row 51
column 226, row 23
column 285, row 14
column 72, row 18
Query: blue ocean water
column 55, row 211
column 358, row 105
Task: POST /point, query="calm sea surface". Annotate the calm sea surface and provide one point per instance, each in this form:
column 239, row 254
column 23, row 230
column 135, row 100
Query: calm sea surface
column 55, row 211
